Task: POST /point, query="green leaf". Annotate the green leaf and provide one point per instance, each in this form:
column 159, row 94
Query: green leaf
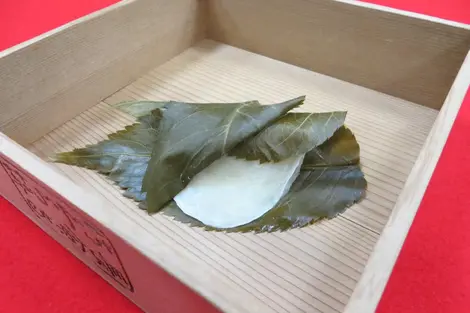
column 294, row 134
column 172, row 210
column 327, row 186
column 140, row 108
column 123, row 157
column 340, row 150
column 195, row 135
column 330, row 180
column 317, row 194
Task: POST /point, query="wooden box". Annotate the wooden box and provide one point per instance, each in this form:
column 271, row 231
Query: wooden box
column 401, row 77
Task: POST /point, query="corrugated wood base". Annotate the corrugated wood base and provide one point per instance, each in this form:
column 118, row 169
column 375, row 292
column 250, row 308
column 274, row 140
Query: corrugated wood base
column 314, row 269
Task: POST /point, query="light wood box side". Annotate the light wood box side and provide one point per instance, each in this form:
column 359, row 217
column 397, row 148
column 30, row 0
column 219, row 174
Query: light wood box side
column 115, row 247
column 53, row 77
column 370, row 287
column 412, row 57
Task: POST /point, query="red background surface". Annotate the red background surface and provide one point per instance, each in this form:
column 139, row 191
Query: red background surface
column 432, row 274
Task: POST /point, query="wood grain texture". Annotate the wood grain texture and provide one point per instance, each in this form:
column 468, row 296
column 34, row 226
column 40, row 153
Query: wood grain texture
column 402, row 54
column 314, row 269
column 379, row 267
column 52, row 78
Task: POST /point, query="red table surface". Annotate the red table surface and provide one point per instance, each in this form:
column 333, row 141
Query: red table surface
column 432, row 273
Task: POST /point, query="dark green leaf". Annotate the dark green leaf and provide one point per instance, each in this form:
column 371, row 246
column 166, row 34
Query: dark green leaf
column 317, row 194
column 327, row 186
column 340, row 150
column 293, row 134
column 330, row 181
column 172, row 209
column 195, row 135
column 123, row 157
column 140, row 108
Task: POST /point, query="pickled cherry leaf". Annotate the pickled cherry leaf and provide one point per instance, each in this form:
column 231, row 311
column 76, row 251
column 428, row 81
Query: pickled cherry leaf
column 292, row 135
column 123, row 157
column 330, row 181
column 192, row 136
column 140, row 108
column 155, row 158
column 342, row 149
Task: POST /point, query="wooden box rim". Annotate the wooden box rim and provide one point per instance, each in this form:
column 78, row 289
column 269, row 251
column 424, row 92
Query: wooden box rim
column 379, row 265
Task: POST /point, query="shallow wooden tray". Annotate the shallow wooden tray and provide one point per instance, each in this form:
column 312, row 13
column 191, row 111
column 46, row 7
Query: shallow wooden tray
column 400, row 76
